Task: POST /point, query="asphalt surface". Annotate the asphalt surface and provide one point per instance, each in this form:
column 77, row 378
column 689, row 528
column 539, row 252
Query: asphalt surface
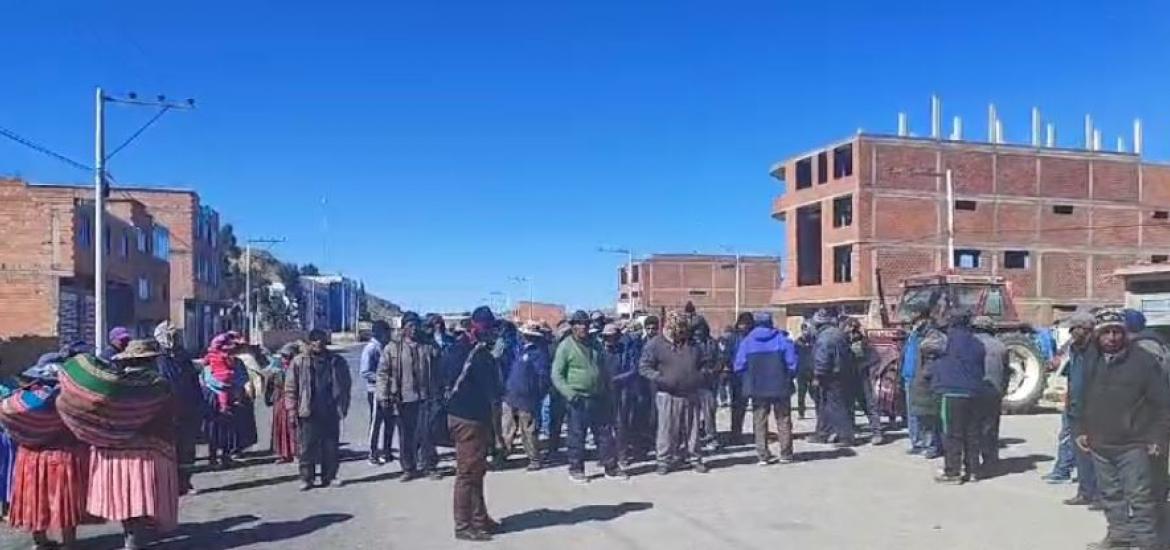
column 869, row 498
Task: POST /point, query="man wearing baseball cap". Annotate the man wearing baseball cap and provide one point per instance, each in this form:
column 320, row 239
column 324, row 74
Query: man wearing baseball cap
column 1125, row 421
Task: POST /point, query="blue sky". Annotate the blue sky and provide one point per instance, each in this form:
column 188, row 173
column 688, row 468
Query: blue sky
column 459, row 143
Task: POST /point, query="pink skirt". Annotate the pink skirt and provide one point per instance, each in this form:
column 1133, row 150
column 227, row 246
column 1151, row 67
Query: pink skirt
column 134, row 483
column 49, row 488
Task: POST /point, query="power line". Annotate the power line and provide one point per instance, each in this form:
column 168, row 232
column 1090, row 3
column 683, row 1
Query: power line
column 42, row 149
column 138, row 132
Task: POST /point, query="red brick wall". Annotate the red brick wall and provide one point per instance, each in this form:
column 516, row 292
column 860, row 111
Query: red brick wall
column 906, row 218
column 548, row 313
column 897, row 264
column 1156, row 186
column 1115, row 227
column 1065, row 178
column 1023, row 281
column 976, row 225
column 1115, row 181
column 29, row 304
column 1017, row 222
column 1155, row 233
column 1064, row 229
column 1106, row 287
column 1015, row 175
column 1064, row 275
column 901, row 167
column 973, row 172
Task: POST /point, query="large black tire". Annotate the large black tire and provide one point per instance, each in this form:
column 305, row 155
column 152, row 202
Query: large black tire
column 1028, row 373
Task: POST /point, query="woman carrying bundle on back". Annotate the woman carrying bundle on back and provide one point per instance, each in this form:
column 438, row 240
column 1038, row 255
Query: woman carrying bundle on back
column 284, row 427
column 125, row 411
column 231, row 426
column 50, row 478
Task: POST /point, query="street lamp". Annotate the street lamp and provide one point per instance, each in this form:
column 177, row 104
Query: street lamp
column 629, row 272
column 526, row 279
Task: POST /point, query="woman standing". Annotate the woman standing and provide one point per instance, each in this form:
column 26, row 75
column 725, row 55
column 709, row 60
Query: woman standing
column 125, row 411
column 50, row 479
column 284, row 427
column 231, row 426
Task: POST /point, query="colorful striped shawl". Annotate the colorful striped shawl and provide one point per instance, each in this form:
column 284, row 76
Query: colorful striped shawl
column 107, row 407
column 30, row 417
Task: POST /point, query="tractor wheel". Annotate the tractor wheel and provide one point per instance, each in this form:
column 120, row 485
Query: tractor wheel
column 1027, row 373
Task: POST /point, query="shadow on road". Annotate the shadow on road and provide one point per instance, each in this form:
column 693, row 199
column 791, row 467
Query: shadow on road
column 384, row 476
column 214, row 535
column 545, row 517
column 1016, row 465
column 251, row 484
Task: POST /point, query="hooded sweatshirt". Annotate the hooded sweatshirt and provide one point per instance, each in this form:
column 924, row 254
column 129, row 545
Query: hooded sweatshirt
column 767, row 361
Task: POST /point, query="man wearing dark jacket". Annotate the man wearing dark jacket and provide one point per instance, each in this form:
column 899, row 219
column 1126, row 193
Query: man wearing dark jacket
column 957, row 381
column 708, row 403
column 743, row 325
column 1080, row 342
column 766, row 361
column 524, row 390
column 678, row 370
column 626, row 392
column 832, row 369
column 474, row 385
column 1126, row 420
column 317, row 390
column 409, row 380
column 990, row 398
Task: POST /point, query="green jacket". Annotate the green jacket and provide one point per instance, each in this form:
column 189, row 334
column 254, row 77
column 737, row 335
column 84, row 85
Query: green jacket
column 576, row 370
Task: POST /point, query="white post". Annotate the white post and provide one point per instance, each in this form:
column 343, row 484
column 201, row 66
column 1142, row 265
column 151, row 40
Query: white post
column 950, row 219
column 992, row 116
column 1096, row 140
column 1120, row 144
column 903, row 125
column 1137, row 136
column 1035, row 126
column 998, row 131
column 248, row 290
column 935, row 117
column 1088, row 131
column 1050, row 138
column 957, row 130
column 99, row 225
column 738, row 284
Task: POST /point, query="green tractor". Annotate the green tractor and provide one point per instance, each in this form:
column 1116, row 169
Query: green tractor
column 983, row 295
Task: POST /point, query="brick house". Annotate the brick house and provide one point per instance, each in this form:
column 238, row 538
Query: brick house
column 538, row 311
column 47, row 256
column 668, row 281
column 1055, row 222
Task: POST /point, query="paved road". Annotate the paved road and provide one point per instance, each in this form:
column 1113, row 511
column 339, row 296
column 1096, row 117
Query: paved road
column 876, row 499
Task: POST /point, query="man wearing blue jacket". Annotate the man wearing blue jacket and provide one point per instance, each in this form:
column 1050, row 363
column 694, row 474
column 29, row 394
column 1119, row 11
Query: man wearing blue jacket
column 766, row 364
column 524, row 389
column 382, row 421
column 958, row 379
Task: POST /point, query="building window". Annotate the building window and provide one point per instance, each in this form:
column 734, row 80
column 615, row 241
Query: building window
column 843, row 263
column 84, row 232
column 124, row 249
column 967, row 258
column 106, row 237
column 166, row 291
column 623, row 276
column 1015, row 259
column 697, row 292
column 623, row 296
column 143, row 289
column 964, row 205
column 843, row 161
column 843, row 211
column 636, row 294
column 636, row 274
column 804, row 173
column 1161, row 215
column 1064, row 209
column 141, row 236
column 823, row 167
column 1159, row 258
column 162, row 243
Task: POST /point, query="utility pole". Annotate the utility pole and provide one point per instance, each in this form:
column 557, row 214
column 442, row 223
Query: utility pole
column 629, row 273
column 101, row 189
column 249, row 316
column 949, row 175
column 527, row 279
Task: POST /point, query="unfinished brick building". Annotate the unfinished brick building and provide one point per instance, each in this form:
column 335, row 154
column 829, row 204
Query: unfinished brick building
column 1055, row 222
column 668, row 281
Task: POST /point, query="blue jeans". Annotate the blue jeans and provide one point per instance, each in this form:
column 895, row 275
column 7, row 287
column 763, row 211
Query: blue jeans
column 913, row 425
column 1066, row 457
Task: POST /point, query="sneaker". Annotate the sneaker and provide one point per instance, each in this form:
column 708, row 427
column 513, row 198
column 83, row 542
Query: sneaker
column 1097, row 506
column 578, row 477
column 787, row 459
column 473, row 535
column 1056, row 479
column 334, row 483
column 375, row 461
column 435, row 474
column 767, row 461
column 617, row 474
column 409, row 475
column 817, row 438
column 1077, row 501
column 533, row 466
column 843, row 444
column 1109, row 544
column 946, row 479
column 915, row 451
column 662, row 469
column 699, row 468
column 876, row 439
column 931, row 455
column 306, row 486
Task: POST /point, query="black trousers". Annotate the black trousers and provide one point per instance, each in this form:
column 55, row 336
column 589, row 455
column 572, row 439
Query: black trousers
column 872, row 412
column 1123, row 476
column 319, row 437
column 557, row 409
column 803, row 390
column 739, row 403
column 381, row 433
column 990, row 410
column 960, row 417
column 835, row 407
column 416, row 449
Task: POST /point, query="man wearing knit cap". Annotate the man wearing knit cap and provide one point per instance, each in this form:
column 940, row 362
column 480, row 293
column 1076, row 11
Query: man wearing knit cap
column 118, row 340
column 832, row 367
column 1080, row 327
column 1125, row 421
column 744, row 324
column 989, row 401
column 678, row 370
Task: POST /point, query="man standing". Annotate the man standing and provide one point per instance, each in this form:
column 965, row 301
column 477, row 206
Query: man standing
column 626, row 392
column 957, row 380
column 989, row 400
column 524, row 390
column 475, row 384
column 833, row 367
column 869, row 366
column 1080, row 326
column 804, row 370
column 766, row 361
column 678, row 370
column 381, row 432
column 409, row 380
column 1126, row 420
column 708, row 404
column 119, row 338
column 317, row 390
column 743, row 325
column 911, row 360
column 579, row 376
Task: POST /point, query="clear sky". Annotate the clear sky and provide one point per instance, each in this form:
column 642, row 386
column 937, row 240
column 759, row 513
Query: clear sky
column 459, row 143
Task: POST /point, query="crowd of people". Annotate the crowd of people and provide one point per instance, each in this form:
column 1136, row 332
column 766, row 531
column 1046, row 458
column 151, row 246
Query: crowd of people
column 112, row 436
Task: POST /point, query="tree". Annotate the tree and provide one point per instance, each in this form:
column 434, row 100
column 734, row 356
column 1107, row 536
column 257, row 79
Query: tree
column 363, row 303
column 310, row 270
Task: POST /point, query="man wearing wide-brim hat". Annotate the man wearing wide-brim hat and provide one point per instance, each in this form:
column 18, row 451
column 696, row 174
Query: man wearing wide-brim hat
column 1125, row 421
column 138, row 352
column 524, row 391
